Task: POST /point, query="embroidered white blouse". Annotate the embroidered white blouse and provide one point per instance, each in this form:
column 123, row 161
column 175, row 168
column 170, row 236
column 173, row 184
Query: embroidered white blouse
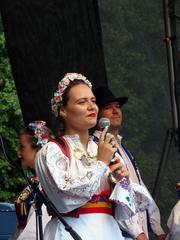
column 70, row 183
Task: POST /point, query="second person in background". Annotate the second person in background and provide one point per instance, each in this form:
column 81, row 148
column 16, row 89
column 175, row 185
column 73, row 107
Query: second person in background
column 32, row 138
column 135, row 227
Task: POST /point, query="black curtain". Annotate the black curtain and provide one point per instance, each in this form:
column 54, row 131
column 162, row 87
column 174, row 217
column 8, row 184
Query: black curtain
column 45, row 39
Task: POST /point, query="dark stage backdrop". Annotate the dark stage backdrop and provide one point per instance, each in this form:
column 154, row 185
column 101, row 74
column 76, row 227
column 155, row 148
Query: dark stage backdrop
column 45, row 39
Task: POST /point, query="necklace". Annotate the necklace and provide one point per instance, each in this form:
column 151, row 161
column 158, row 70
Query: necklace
column 86, row 158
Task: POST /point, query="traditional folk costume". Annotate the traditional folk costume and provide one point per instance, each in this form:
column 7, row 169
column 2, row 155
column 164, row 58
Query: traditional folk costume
column 26, row 216
column 22, row 206
column 78, row 186
column 138, row 223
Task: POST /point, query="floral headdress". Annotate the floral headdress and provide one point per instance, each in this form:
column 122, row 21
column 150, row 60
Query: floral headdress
column 56, row 101
column 40, row 131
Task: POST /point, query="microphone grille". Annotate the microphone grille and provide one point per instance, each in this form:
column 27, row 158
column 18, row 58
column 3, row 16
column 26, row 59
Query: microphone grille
column 104, row 122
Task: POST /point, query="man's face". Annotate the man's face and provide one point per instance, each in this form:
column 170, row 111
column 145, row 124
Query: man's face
column 113, row 112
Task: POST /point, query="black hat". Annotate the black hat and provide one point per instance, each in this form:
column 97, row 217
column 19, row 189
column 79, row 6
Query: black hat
column 104, row 96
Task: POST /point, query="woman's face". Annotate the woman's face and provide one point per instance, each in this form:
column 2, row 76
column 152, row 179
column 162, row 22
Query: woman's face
column 26, row 151
column 81, row 110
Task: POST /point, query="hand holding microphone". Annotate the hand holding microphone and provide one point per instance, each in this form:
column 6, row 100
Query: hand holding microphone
column 106, row 140
column 104, row 124
column 118, row 169
column 105, row 150
column 111, row 159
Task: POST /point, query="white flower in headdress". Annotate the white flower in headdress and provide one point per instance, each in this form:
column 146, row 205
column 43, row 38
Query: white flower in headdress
column 65, row 81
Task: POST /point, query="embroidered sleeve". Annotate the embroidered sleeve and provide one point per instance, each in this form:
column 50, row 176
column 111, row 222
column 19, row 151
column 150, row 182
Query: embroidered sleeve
column 154, row 214
column 132, row 226
column 132, row 198
column 67, row 182
column 154, row 219
column 124, row 200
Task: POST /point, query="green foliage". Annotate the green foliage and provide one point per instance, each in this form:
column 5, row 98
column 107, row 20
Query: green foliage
column 10, row 123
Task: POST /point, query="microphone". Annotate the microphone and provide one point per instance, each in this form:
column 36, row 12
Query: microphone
column 104, row 123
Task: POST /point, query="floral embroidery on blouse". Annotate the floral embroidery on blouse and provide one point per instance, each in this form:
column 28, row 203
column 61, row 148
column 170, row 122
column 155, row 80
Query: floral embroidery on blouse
column 86, row 158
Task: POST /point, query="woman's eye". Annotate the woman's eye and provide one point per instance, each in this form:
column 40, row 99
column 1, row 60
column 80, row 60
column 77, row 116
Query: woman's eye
column 81, row 102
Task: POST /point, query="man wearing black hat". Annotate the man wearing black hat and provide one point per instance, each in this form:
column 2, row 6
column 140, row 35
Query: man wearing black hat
column 110, row 107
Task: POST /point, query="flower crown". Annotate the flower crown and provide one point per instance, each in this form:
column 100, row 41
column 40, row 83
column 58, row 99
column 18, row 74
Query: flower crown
column 41, row 132
column 56, row 101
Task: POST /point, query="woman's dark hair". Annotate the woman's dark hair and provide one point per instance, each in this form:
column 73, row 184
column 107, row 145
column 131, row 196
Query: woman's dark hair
column 30, row 134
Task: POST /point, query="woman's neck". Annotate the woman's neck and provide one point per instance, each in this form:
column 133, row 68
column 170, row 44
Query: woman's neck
column 83, row 135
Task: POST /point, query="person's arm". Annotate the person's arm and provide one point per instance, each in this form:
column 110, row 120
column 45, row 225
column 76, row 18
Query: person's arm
column 132, row 226
column 155, row 221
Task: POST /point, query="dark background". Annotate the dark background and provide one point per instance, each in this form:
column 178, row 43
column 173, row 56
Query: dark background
column 45, row 39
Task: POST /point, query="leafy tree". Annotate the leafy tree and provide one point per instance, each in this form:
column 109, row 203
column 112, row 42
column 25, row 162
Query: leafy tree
column 10, row 123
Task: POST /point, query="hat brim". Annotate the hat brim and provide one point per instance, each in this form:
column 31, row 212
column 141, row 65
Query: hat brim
column 120, row 100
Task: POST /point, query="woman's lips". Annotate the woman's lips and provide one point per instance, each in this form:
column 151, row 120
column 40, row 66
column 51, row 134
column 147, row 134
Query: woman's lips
column 92, row 115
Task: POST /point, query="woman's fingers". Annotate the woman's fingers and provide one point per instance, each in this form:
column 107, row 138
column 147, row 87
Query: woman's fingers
column 115, row 166
column 119, row 170
column 106, row 150
column 107, row 137
column 102, row 136
column 114, row 160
